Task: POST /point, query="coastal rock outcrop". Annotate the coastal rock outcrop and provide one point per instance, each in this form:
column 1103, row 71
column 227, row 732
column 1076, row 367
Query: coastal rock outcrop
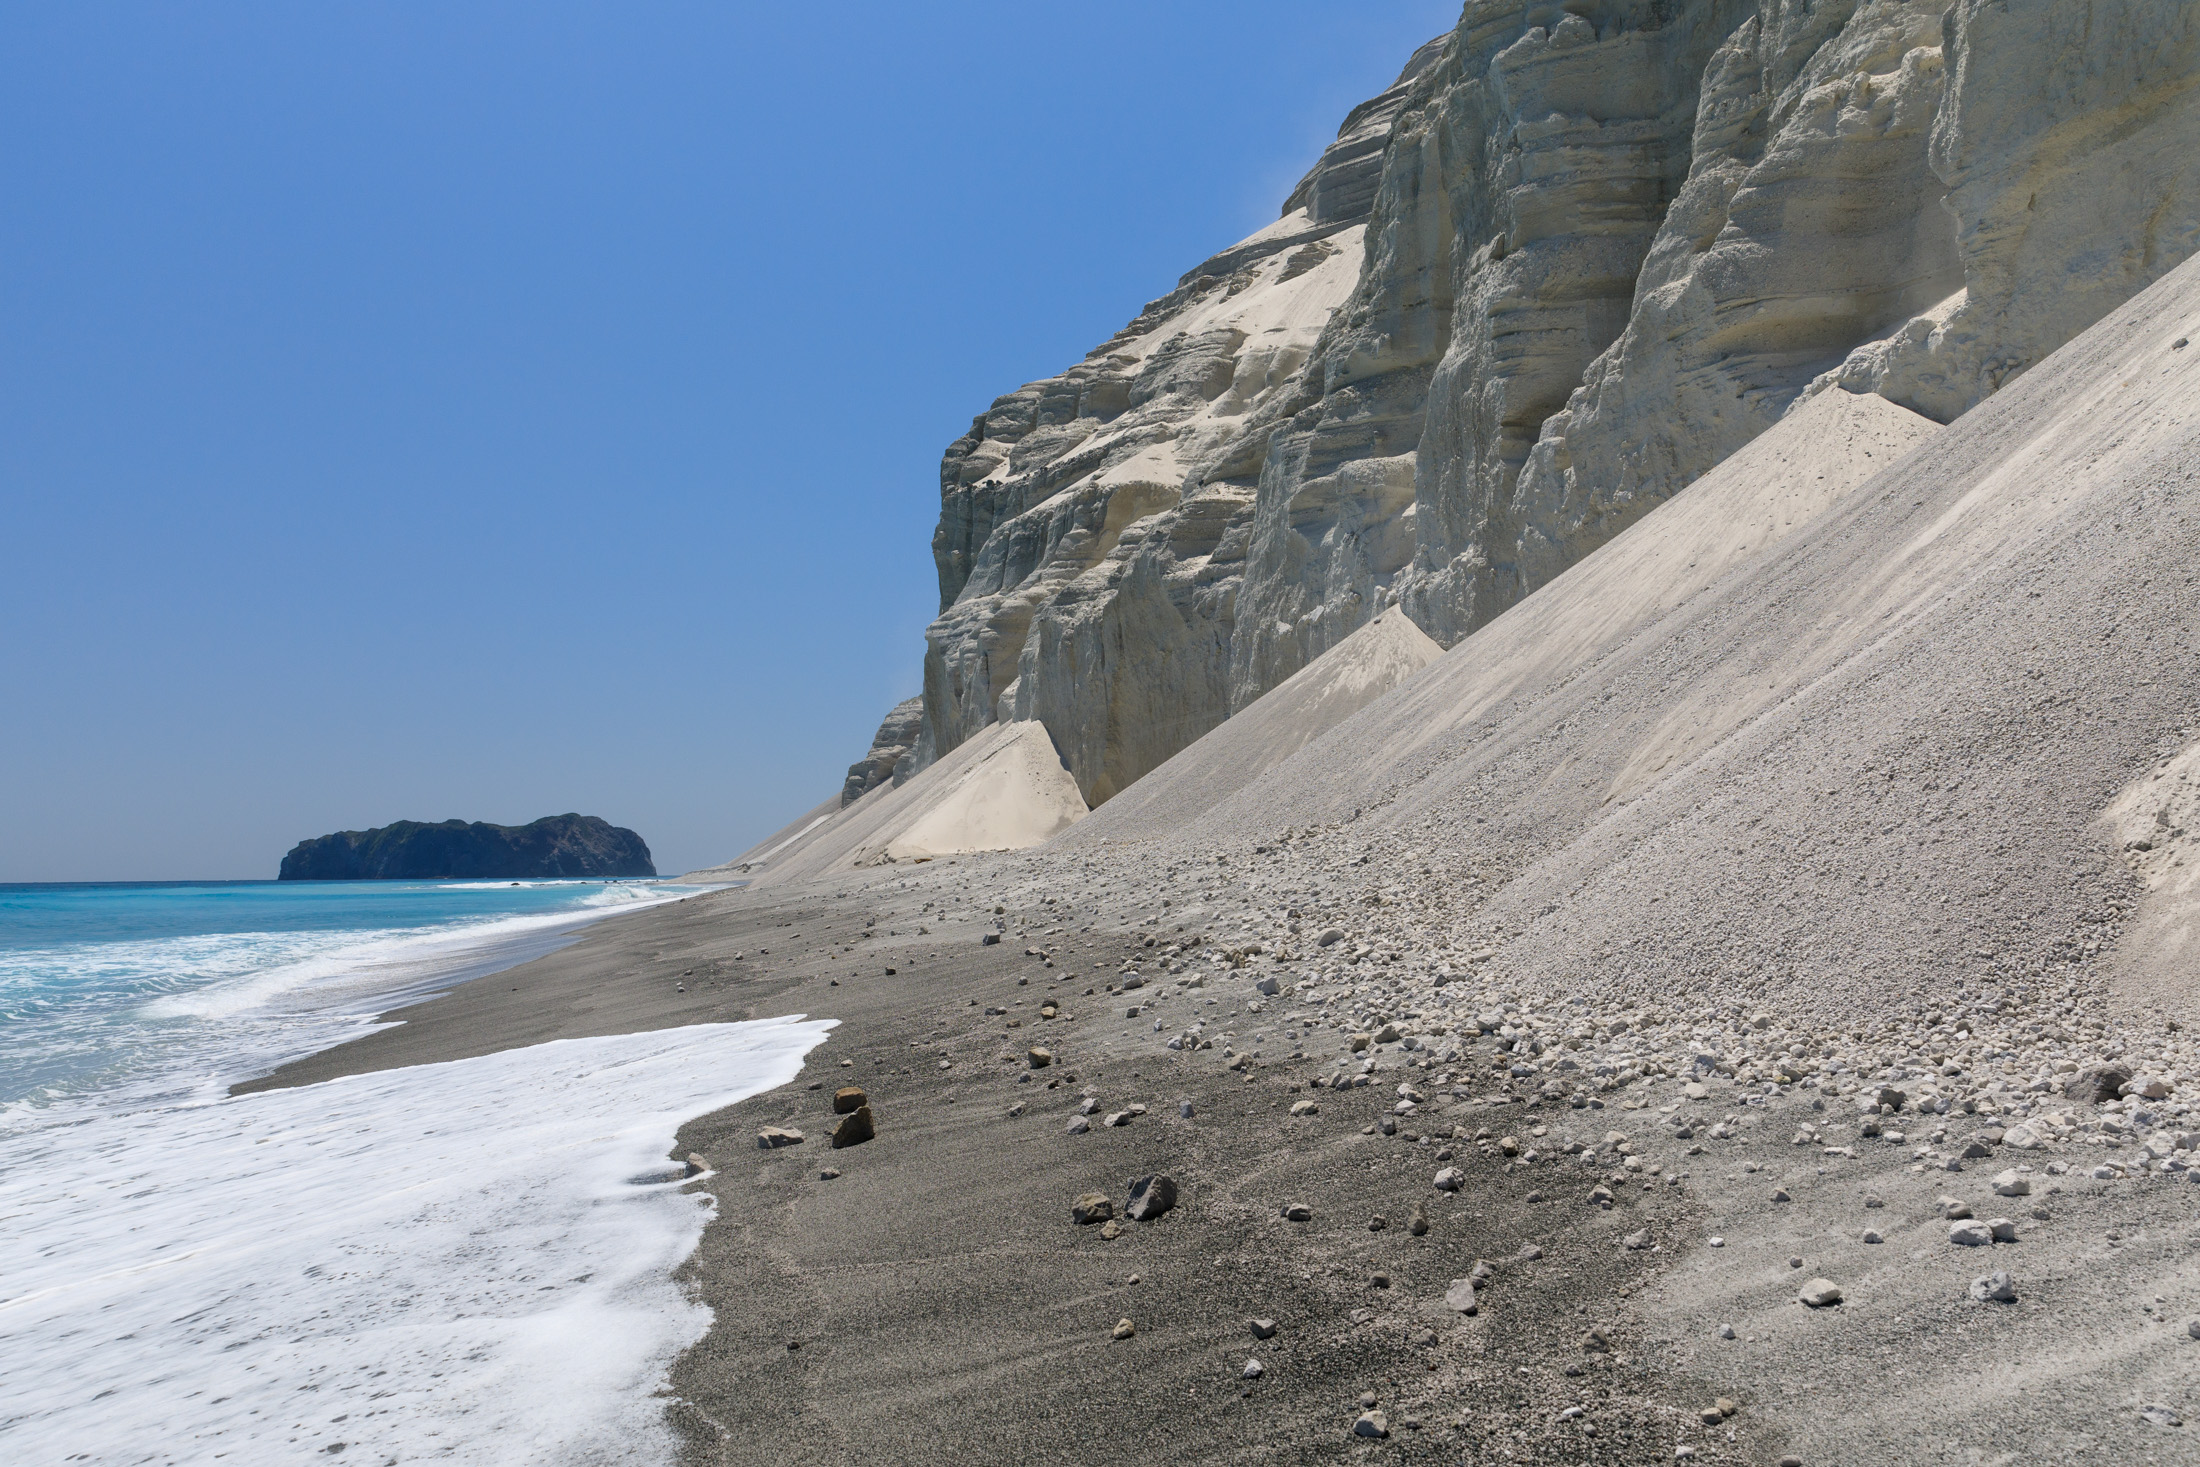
column 555, row 846
column 896, row 736
column 1575, row 258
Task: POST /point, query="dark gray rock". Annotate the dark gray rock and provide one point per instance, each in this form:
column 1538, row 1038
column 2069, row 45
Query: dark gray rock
column 2097, row 1084
column 1150, row 1197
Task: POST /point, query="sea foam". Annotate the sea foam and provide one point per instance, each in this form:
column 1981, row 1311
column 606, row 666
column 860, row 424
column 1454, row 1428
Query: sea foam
column 465, row 1262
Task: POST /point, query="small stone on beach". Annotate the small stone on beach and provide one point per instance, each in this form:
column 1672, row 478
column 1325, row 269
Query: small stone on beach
column 1820, row 1293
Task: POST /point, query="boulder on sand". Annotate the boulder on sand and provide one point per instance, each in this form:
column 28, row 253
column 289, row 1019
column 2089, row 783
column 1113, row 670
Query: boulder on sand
column 1150, row 1197
column 855, row 1128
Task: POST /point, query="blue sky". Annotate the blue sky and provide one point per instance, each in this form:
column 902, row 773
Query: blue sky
column 493, row 410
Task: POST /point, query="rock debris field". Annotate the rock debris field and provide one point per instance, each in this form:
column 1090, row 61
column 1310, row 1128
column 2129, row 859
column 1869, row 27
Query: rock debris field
column 1761, row 1033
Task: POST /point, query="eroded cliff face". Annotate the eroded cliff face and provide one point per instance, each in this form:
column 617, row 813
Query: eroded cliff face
column 1578, row 255
column 897, row 734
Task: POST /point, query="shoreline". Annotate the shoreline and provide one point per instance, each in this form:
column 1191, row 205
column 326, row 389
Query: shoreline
column 474, row 1257
column 937, row 1287
column 468, row 966
column 1637, row 1262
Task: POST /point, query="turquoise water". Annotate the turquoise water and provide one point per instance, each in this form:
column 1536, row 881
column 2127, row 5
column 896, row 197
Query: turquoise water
column 164, row 990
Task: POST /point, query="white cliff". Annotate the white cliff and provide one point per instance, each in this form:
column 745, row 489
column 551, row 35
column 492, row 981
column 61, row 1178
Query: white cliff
column 1576, row 258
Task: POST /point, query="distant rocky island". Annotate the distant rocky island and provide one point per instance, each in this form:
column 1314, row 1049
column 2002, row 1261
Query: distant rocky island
column 410, row 850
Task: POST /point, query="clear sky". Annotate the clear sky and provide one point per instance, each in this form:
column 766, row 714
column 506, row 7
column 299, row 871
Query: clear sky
column 490, row 410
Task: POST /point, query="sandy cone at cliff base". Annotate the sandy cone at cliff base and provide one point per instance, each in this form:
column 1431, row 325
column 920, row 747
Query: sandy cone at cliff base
column 1014, row 795
column 1004, row 789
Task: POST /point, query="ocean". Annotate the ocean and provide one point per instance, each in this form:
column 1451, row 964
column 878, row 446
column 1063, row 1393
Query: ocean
column 465, row 1262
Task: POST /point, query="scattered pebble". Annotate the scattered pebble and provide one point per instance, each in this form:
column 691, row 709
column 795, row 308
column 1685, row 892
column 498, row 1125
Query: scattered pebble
column 1820, row 1293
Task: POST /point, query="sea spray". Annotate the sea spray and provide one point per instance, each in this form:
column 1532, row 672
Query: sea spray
column 465, row 1262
